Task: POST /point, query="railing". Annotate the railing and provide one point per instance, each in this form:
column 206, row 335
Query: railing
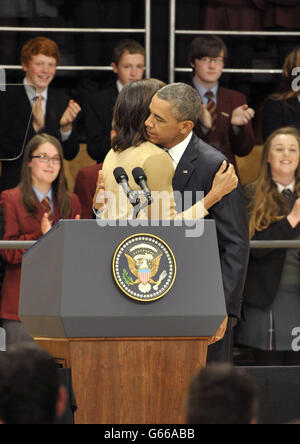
column 173, row 32
column 146, row 31
column 24, row 245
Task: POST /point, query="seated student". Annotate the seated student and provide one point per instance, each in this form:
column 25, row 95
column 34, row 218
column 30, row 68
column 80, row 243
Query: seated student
column 225, row 121
column 271, row 304
column 35, row 108
column 222, row 394
column 30, row 388
column 129, row 65
column 30, row 210
column 282, row 108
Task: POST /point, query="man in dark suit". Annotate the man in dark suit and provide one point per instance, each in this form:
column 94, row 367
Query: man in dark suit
column 225, row 121
column 128, row 64
column 173, row 113
column 34, row 107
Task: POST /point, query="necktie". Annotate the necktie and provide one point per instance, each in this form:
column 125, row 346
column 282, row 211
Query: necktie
column 212, row 108
column 289, row 197
column 46, row 205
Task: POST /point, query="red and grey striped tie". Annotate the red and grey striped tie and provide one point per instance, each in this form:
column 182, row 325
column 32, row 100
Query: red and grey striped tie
column 212, row 108
column 47, row 207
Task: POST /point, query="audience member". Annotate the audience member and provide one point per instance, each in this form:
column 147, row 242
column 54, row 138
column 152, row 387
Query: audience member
column 30, row 389
column 128, row 64
column 30, row 210
column 222, row 394
column 283, row 108
column 225, row 121
column 35, row 108
column 271, row 301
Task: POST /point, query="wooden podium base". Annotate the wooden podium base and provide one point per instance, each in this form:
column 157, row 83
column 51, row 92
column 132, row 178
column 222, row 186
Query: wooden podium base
column 130, row 380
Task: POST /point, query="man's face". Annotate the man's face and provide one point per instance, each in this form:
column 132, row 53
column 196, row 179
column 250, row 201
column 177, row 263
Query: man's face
column 208, row 70
column 40, row 71
column 130, row 68
column 162, row 127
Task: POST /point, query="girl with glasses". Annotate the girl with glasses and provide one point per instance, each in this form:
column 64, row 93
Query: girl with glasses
column 30, row 210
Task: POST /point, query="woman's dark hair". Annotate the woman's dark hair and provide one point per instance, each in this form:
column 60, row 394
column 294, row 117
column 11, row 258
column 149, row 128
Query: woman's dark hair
column 131, row 111
column 59, row 186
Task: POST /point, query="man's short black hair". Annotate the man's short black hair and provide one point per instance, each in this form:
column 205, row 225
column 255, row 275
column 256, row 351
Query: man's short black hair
column 29, row 386
column 222, row 394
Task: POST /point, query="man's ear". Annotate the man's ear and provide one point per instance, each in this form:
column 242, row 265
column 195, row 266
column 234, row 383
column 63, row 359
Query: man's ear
column 25, row 67
column 186, row 127
column 115, row 67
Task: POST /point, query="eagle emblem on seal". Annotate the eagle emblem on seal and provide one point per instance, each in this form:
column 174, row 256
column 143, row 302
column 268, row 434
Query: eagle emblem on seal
column 144, row 267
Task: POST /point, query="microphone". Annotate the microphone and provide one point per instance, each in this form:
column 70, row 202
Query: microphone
column 141, row 179
column 122, row 179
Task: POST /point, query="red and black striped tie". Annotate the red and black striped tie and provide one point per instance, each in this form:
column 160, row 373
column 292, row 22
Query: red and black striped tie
column 212, row 108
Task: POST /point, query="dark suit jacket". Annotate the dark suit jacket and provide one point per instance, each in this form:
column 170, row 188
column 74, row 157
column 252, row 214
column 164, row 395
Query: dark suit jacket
column 20, row 226
column 236, row 15
column 98, row 121
column 85, row 187
column 278, row 114
column 223, row 138
column 16, row 126
column 265, row 266
column 202, row 162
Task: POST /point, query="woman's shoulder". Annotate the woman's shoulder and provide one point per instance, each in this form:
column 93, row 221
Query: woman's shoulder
column 11, row 194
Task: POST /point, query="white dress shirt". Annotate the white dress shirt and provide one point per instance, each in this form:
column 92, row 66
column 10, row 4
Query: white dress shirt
column 33, row 95
column 177, row 151
column 290, row 187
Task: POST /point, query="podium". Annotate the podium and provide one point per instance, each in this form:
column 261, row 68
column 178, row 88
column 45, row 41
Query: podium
column 131, row 359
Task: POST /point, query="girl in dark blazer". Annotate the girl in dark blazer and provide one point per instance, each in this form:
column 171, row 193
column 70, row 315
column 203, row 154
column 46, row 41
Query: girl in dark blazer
column 271, row 307
column 283, row 108
column 30, row 210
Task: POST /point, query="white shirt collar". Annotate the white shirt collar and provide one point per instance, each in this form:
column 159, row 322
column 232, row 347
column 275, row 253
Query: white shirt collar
column 290, row 187
column 119, row 86
column 177, row 151
column 31, row 92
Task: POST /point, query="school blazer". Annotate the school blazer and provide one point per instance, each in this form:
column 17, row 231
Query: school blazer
column 20, row 226
column 16, row 130
column 224, row 138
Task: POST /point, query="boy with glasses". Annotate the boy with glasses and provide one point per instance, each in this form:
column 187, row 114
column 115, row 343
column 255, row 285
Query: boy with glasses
column 225, row 121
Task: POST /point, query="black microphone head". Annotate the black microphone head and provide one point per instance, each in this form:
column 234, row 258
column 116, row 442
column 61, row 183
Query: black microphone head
column 120, row 174
column 138, row 174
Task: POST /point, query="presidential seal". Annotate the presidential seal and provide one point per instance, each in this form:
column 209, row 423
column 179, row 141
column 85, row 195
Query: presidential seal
column 144, row 267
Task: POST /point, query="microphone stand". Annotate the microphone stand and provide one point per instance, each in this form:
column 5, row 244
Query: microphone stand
column 139, row 206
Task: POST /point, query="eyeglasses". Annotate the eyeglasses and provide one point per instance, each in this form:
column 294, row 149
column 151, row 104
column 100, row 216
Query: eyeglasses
column 44, row 158
column 216, row 60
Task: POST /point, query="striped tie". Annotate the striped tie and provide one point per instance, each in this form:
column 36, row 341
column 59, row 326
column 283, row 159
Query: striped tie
column 212, row 108
column 47, row 207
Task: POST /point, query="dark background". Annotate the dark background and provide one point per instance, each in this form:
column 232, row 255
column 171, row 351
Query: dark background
column 96, row 49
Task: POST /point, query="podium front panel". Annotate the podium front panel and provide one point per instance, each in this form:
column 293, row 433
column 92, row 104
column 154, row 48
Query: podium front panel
column 68, row 288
